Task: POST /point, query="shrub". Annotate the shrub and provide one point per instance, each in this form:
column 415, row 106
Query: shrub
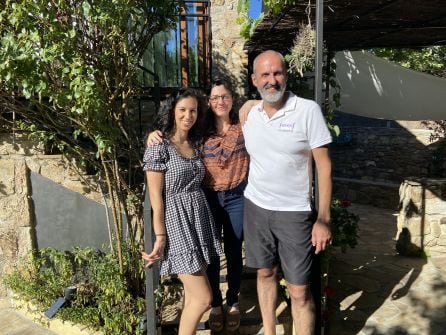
column 104, row 299
column 344, row 225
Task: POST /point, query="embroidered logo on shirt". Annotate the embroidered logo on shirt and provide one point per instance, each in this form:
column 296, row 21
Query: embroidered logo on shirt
column 286, row 127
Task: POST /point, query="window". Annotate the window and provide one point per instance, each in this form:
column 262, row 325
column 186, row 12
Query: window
column 181, row 57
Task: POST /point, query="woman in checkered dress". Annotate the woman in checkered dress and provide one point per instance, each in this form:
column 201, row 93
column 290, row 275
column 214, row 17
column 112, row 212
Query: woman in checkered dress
column 186, row 238
column 226, row 167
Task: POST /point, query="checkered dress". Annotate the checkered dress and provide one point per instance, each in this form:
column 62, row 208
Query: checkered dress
column 192, row 240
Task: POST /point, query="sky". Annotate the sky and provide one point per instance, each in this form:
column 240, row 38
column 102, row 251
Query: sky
column 255, row 8
column 254, row 12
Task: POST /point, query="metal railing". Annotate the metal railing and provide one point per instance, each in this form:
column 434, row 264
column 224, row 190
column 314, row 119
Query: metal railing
column 152, row 273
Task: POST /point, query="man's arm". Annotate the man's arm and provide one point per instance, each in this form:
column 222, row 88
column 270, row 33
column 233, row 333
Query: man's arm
column 154, row 137
column 321, row 234
column 244, row 110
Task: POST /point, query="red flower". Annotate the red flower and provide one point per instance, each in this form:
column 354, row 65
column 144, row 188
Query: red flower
column 345, row 203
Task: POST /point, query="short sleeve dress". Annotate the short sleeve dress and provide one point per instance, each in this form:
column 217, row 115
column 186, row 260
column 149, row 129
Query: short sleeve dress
column 192, row 240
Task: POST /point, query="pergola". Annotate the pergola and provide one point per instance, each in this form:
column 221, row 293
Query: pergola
column 358, row 24
column 353, row 25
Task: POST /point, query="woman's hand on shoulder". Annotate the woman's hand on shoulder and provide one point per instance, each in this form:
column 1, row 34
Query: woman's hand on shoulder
column 244, row 110
column 155, row 137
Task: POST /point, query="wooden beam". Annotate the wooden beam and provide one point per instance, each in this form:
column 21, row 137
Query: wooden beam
column 184, row 50
column 201, row 46
column 368, row 12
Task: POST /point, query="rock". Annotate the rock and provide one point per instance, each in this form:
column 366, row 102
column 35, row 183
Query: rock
column 404, row 245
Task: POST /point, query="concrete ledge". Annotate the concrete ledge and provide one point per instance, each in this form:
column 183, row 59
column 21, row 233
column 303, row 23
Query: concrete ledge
column 57, row 326
column 367, row 182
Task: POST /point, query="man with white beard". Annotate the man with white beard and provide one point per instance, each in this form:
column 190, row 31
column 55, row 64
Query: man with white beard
column 282, row 135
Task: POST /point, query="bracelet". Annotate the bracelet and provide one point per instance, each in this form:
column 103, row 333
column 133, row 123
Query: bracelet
column 160, row 234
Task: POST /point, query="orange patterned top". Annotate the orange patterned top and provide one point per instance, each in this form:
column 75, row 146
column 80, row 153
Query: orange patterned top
column 225, row 159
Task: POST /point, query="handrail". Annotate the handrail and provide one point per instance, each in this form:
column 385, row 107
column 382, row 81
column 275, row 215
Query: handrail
column 152, row 274
column 156, row 93
column 156, row 82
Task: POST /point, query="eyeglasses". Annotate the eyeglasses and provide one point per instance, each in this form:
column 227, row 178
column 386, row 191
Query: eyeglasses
column 223, row 97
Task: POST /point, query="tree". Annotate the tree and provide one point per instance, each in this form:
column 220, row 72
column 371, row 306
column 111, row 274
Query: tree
column 68, row 69
column 431, row 60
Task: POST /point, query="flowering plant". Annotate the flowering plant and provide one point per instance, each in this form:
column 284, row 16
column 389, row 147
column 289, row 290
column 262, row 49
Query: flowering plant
column 344, row 232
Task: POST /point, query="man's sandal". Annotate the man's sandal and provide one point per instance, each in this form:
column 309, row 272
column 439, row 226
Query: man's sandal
column 232, row 320
column 216, row 322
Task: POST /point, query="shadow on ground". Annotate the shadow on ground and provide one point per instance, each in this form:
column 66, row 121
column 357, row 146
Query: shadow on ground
column 378, row 291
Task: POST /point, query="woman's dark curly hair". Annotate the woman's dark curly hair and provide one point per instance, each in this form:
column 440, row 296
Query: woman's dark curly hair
column 210, row 124
column 165, row 119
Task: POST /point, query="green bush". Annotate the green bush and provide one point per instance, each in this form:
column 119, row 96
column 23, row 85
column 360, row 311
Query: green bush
column 344, row 225
column 104, row 299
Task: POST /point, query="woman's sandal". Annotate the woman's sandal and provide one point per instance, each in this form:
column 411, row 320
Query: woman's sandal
column 232, row 320
column 216, row 322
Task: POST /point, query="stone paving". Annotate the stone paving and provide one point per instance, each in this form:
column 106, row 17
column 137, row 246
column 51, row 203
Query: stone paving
column 378, row 291
column 14, row 323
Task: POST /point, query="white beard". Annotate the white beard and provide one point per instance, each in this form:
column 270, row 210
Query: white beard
column 272, row 97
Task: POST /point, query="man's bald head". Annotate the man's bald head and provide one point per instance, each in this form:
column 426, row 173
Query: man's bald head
column 268, row 54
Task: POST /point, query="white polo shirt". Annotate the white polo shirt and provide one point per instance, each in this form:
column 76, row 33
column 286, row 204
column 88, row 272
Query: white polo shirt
column 280, row 153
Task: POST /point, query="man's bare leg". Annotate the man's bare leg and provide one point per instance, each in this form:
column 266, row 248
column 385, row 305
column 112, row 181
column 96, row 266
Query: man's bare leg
column 302, row 309
column 267, row 295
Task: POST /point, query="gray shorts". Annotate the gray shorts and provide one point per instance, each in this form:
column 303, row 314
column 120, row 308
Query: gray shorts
column 273, row 237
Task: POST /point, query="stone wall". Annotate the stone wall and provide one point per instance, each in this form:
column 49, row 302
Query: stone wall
column 379, row 194
column 370, row 162
column 382, row 154
column 229, row 59
column 15, row 214
column 17, row 157
column 422, row 215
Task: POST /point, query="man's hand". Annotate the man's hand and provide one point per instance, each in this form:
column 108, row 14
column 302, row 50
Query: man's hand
column 154, row 137
column 321, row 235
column 244, row 110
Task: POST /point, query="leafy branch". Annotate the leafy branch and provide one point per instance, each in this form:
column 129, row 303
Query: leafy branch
column 247, row 24
column 68, row 70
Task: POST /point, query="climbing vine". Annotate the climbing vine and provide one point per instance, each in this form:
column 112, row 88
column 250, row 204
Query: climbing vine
column 301, row 59
column 276, row 6
column 247, row 24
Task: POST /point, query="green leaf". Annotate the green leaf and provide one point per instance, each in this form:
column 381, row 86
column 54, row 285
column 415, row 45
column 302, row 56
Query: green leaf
column 336, row 130
column 86, row 8
column 72, row 33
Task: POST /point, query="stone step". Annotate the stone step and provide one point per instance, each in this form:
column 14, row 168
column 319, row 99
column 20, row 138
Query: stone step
column 281, row 329
column 251, row 322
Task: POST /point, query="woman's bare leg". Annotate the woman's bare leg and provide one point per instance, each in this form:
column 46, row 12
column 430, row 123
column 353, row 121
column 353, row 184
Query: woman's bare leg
column 197, row 300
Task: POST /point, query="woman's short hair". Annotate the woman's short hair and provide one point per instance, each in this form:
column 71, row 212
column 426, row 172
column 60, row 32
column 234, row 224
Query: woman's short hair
column 165, row 120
